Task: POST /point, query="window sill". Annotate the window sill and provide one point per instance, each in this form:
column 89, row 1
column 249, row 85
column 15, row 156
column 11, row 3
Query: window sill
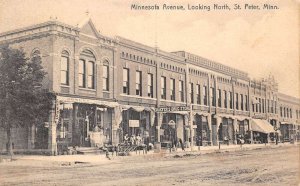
column 87, row 89
column 67, row 86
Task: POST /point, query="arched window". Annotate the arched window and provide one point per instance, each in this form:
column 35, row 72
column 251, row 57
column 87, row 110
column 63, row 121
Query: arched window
column 64, row 68
column 86, row 70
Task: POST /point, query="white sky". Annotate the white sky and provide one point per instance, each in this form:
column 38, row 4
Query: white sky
column 258, row 42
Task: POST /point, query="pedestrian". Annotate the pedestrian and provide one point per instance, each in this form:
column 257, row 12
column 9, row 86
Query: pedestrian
column 181, row 144
column 126, row 138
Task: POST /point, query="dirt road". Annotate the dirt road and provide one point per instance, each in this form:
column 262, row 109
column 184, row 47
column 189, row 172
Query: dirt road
column 266, row 166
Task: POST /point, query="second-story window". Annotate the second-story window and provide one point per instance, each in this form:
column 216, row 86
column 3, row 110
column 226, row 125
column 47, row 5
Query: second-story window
column 138, row 83
column 191, row 92
column 81, row 73
column 86, row 71
column 219, row 97
column 150, row 85
column 212, row 97
column 126, row 81
column 236, row 101
column 230, row 100
column 163, row 87
column 91, row 75
column 105, row 77
column 246, row 103
column 172, row 89
column 181, row 93
column 198, row 94
column 205, row 95
column 225, row 99
column 242, row 102
column 64, row 68
column 281, row 112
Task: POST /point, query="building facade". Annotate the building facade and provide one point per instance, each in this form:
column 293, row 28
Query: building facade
column 109, row 87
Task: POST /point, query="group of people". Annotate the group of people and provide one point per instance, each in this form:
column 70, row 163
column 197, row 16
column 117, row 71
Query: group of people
column 133, row 140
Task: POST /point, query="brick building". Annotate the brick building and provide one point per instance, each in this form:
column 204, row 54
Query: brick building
column 109, row 87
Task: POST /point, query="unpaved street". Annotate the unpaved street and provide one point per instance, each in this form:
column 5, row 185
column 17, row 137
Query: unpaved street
column 264, row 166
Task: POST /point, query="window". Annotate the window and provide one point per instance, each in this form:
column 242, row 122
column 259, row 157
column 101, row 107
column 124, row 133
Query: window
column 219, row 98
column 172, row 89
column 246, row 103
column 225, row 99
column 86, row 71
column 263, row 105
column 181, row 94
column 81, row 73
column 230, row 100
column 198, row 94
column 64, row 68
column 259, row 106
column 281, row 112
column 284, row 113
column 163, row 87
column 138, row 83
column 291, row 114
column 205, row 95
column 272, row 106
column 105, row 77
column 212, row 96
column 126, row 81
column 242, row 102
column 91, row 75
column 236, row 101
column 191, row 92
column 268, row 106
column 150, row 85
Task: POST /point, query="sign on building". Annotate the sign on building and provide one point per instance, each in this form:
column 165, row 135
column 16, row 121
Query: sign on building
column 134, row 123
column 172, row 109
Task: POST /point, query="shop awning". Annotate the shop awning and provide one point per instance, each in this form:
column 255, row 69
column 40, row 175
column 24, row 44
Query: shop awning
column 70, row 100
column 262, row 126
column 135, row 108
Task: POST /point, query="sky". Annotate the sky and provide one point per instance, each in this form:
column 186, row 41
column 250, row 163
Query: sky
column 258, row 42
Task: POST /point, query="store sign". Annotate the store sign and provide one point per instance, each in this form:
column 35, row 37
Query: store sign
column 172, row 109
column 134, row 123
column 259, row 116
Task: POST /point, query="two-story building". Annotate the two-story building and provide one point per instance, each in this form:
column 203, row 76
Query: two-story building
column 109, row 87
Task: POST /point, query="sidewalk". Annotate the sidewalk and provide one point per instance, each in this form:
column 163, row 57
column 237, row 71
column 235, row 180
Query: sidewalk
column 101, row 159
column 213, row 149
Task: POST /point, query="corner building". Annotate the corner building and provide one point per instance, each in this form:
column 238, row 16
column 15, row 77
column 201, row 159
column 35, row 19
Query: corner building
column 109, row 87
